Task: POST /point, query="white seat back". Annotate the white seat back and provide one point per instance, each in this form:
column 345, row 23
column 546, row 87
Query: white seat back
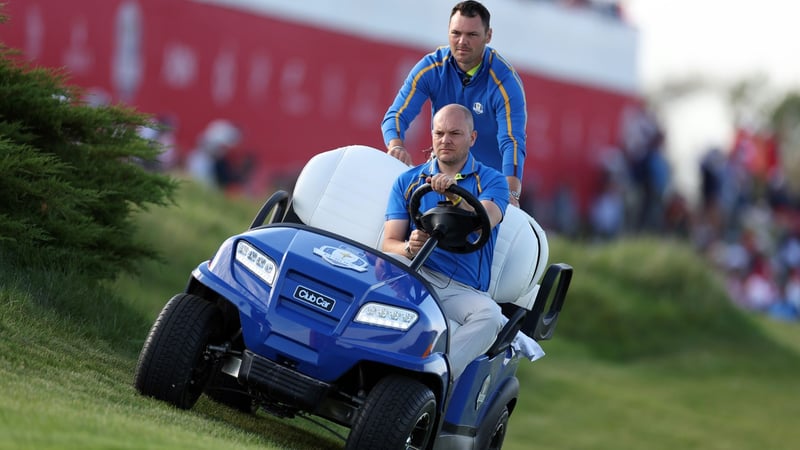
column 520, row 259
column 346, row 190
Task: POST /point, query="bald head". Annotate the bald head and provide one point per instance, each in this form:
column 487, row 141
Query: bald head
column 454, row 108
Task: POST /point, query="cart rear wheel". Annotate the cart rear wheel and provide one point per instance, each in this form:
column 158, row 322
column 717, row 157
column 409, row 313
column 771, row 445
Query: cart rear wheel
column 500, row 429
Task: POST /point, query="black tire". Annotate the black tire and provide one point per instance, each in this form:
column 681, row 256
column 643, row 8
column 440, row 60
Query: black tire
column 171, row 365
column 399, row 413
column 498, row 434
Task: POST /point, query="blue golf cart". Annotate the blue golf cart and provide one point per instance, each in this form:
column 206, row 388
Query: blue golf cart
column 302, row 314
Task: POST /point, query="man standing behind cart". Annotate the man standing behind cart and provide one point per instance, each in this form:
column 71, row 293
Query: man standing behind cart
column 476, row 76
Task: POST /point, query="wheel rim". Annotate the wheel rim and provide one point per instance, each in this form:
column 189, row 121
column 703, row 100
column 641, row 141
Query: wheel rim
column 497, row 439
column 420, row 433
column 200, row 375
column 196, row 382
column 499, row 434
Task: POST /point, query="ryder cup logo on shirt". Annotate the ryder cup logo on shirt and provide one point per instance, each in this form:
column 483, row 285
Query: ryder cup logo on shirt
column 477, row 107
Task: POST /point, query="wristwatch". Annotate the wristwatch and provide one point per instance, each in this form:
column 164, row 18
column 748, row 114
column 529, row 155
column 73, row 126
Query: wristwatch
column 408, row 249
column 516, row 194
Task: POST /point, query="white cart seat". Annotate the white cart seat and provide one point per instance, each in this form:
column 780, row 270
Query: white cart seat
column 346, row 190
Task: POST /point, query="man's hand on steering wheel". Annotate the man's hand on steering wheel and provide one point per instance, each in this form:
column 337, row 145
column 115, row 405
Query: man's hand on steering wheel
column 440, row 182
column 451, row 226
column 415, row 241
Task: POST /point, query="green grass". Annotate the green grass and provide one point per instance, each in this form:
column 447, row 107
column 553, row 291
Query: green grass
column 649, row 353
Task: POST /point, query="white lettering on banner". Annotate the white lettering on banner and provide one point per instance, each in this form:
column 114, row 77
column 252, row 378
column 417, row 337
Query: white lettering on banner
column 295, row 101
column 179, row 66
column 78, row 57
column 34, row 33
column 223, row 77
column 127, row 64
column 259, row 77
column 365, row 108
column 572, row 133
column 333, row 99
column 538, row 143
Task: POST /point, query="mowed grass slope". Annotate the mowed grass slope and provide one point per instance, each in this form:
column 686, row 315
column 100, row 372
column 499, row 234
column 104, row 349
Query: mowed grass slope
column 648, row 353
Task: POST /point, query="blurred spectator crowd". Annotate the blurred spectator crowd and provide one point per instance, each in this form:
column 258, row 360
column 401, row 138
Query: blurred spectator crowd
column 748, row 223
column 745, row 220
column 216, row 161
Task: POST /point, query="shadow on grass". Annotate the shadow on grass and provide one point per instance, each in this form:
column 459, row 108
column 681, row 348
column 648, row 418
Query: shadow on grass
column 298, row 433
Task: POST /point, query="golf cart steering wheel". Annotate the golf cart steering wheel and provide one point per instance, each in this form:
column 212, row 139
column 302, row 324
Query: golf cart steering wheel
column 452, row 226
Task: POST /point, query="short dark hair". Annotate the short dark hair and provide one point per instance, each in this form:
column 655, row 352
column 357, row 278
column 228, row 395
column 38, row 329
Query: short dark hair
column 471, row 8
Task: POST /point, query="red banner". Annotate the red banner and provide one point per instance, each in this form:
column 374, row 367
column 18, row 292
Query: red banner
column 294, row 89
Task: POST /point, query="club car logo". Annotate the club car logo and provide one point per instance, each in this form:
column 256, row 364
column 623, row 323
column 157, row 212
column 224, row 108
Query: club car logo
column 342, row 257
column 305, row 294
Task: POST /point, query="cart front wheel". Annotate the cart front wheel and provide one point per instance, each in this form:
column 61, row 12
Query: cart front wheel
column 399, row 413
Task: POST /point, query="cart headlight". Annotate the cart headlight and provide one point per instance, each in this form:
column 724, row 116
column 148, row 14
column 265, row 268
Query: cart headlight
column 256, row 262
column 387, row 316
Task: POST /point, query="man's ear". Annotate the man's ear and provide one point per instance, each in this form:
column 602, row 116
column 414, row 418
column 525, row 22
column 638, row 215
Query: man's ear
column 489, row 35
column 473, row 137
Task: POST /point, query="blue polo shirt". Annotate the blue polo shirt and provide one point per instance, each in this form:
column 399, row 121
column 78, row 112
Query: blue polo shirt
column 494, row 94
column 473, row 269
